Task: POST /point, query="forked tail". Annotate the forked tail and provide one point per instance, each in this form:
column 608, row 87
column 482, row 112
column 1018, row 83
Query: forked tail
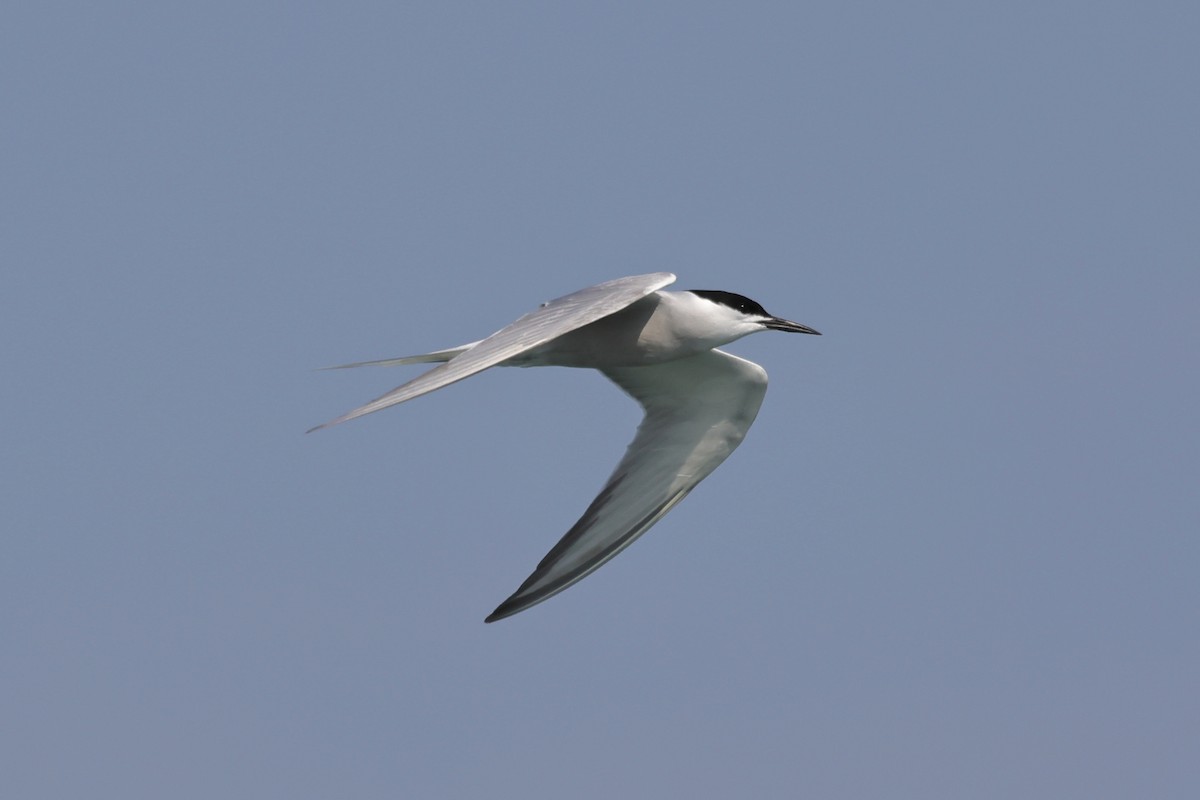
column 424, row 358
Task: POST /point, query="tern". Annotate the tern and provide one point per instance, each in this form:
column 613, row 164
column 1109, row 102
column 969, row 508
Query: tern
column 659, row 347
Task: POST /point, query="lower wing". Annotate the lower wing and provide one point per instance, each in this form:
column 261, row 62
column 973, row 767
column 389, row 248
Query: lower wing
column 698, row 410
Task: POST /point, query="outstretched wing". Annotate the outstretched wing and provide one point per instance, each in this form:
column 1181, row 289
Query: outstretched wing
column 550, row 321
column 698, row 409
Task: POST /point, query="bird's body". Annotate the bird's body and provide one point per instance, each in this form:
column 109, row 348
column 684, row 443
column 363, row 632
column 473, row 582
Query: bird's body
column 661, row 327
column 659, row 347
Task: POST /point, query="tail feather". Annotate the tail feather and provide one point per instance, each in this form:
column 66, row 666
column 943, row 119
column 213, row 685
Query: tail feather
column 424, row 358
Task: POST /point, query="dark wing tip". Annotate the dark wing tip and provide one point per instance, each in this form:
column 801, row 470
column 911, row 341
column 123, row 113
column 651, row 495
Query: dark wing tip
column 505, row 609
column 522, row 599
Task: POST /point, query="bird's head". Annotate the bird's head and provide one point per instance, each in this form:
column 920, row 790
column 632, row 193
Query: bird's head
column 742, row 312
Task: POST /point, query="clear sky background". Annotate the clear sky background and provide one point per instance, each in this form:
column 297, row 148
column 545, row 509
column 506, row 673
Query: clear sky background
column 956, row 557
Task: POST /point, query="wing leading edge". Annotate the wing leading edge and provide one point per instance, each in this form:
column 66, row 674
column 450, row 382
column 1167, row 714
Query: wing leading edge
column 697, row 411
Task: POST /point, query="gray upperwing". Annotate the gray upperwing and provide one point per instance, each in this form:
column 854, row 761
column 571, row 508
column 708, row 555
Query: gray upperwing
column 698, row 409
column 550, row 321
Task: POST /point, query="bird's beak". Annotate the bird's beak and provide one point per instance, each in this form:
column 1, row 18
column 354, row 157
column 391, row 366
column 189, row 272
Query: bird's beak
column 777, row 324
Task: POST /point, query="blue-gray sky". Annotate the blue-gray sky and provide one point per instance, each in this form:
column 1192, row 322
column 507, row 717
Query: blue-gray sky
column 956, row 557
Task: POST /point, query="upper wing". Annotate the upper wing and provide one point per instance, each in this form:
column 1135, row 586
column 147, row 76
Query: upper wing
column 550, row 321
column 698, row 409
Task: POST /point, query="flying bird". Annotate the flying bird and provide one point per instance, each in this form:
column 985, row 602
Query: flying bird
column 659, row 347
